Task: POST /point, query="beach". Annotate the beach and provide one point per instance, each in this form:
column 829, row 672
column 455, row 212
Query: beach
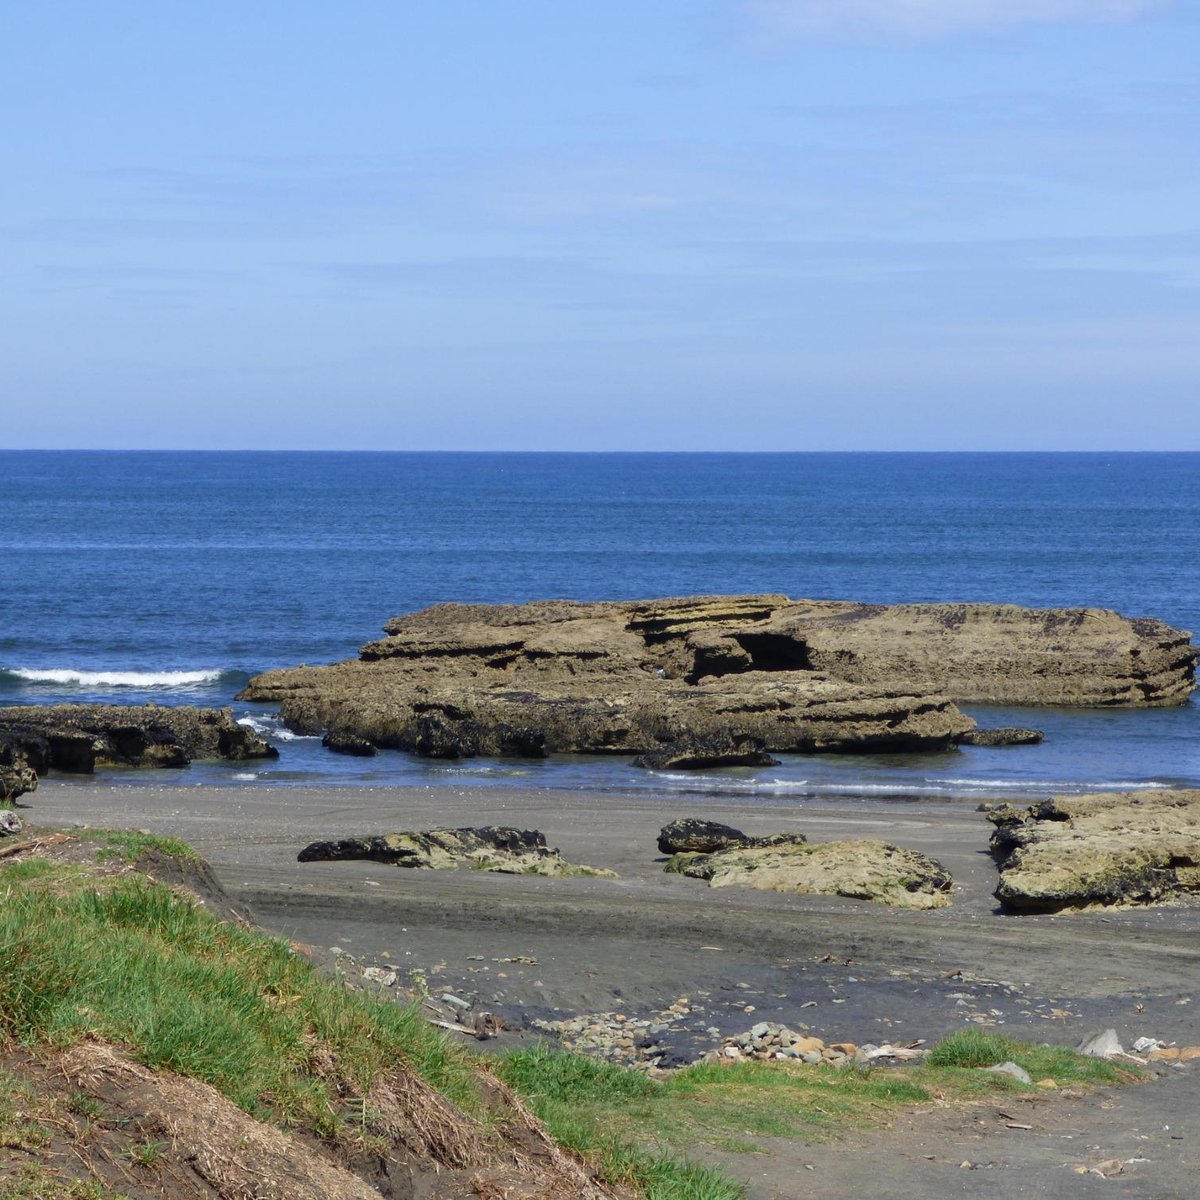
column 637, row 943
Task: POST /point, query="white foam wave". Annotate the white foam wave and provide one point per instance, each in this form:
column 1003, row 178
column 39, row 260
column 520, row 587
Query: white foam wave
column 113, row 679
column 275, row 730
column 900, row 787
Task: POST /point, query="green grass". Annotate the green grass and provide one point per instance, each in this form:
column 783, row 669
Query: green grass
column 600, row 1110
column 129, row 845
column 35, row 1182
column 136, row 964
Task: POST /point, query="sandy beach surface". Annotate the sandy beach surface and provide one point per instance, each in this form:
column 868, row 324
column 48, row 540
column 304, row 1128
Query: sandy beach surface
column 531, row 948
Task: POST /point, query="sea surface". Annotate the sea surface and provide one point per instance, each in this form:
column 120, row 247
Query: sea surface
column 176, row 576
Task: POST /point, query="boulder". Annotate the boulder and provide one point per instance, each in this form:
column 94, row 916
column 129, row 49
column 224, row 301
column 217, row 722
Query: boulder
column 348, row 743
column 692, row 835
column 1004, row 736
column 645, row 677
column 17, row 775
column 10, row 823
column 486, row 848
column 76, row 737
column 859, row 870
column 1105, row 849
column 703, row 754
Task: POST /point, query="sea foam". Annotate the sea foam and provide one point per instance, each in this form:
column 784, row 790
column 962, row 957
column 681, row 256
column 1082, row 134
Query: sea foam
column 112, row 679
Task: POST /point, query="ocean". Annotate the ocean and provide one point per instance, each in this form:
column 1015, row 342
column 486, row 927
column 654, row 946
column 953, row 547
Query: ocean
column 173, row 577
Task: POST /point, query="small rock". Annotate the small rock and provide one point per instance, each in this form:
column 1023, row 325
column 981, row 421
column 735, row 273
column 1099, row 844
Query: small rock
column 1012, row 1069
column 455, row 1001
column 380, row 975
column 1101, row 1045
column 9, row 822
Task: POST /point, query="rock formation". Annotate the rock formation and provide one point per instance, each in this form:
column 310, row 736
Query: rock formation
column 1005, row 736
column 17, row 775
column 785, row 862
column 642, row 677
column 76, row 737
column 1106, row 849
column 487, row 848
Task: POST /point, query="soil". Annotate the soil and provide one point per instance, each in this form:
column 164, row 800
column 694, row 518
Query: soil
column 533, row 948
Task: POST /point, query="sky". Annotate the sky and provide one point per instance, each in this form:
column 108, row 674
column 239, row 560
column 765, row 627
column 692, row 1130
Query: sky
column 601, row 225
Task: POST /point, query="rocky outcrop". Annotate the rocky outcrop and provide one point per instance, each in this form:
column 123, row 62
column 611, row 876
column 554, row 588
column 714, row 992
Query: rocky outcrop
column 17, row 774
column 76, row 738
column 487, row 848
column 858, row 870
column 704, row 754
column 692, row 835
column 1004, row 736
column 1107, row 849
column 643, row 677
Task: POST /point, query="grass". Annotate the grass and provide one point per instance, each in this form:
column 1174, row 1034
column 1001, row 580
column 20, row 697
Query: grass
column 601, row 1110
column 36, row 1182
column 128, row 845
column 138, row 965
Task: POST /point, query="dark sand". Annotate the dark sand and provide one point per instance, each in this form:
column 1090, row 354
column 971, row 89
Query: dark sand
column 862, row 972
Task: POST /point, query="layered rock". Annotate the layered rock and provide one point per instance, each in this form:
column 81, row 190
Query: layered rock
column 486, row 848
column 644, row 677
column 76, row 738
column 858, row 870
column 1106, row 849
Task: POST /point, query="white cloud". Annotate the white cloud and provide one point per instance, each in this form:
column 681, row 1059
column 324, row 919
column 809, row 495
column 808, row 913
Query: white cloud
column 930, row 18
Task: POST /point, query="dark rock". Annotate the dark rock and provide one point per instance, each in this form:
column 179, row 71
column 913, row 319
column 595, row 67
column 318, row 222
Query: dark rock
column 486, row 848
column 17, row 775
column 348, row 743
column 706, row 753
column 1006, row 736
column 691, row 835
column 75, row 737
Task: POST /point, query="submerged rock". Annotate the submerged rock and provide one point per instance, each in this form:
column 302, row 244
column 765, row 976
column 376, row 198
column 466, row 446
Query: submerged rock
column 486, row 848
column 1005, row 736
column 76, row 738
column 643, row 677
column 859, row 870
column 702, row 754
column 1106, row 849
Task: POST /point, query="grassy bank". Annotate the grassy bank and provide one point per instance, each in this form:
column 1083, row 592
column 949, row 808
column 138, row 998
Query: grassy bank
column 91, row 951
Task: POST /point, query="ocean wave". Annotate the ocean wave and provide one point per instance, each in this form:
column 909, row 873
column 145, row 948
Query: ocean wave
column 71, row 677
column 275, row 730
column 901, row 787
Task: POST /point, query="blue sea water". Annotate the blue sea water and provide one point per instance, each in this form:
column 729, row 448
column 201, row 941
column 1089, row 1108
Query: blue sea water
column 175, row 576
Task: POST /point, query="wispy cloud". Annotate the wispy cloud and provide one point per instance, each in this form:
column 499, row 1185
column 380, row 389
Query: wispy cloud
column 930, row 18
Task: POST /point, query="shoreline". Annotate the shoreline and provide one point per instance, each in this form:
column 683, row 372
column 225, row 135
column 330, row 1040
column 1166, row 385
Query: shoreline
column 533, row 949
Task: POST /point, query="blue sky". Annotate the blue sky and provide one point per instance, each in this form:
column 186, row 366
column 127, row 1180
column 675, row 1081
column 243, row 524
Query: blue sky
column 521, row 224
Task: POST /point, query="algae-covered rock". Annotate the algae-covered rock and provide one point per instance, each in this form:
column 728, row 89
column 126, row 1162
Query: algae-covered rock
column 1105, row 849
column 694, row 835
column 860, row 870
column 704, row 754
column 500, row 849
column 1005, row 736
